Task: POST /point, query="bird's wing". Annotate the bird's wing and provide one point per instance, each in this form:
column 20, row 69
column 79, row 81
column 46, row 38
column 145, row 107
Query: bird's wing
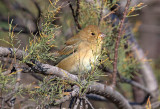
column 71, row 46
column 68, row 50
column 73, row 40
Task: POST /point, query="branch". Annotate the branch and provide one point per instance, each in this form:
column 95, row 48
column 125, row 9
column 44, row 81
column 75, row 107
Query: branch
column 97, row 88
column 46, row 69
column 81, row 104
column 117, row 44
column 75, row 16
column 77, row 103
column 96, row 97
column 74, row 93
column 88, row 102
column 5, row 52
column 125, row 80
column 111, row 94
column 147, row 72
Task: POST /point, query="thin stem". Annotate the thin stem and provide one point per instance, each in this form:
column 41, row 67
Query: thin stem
column 117, row 44
column 75, row 15
column 76, row 104
column 88, row 102
column 81, row 104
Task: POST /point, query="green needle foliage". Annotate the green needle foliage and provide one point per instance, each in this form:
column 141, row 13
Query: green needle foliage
column 49, row 90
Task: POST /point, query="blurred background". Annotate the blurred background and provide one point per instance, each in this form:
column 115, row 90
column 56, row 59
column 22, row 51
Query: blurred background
column 146, row 27
column 25, row 15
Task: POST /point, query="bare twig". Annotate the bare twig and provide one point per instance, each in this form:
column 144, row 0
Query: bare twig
column 81, row 104
column 77, row 10
column 75, row 16
column 117, row 44
column 88, row 102
column 76, row 104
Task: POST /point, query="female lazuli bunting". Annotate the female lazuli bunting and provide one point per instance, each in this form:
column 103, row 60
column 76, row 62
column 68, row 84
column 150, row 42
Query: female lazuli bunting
column 83, row 49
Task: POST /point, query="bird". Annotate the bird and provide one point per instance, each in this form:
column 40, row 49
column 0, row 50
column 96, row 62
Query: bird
column 83, row 50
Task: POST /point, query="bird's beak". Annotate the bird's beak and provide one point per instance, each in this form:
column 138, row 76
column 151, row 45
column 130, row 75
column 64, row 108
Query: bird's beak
column 102, row 35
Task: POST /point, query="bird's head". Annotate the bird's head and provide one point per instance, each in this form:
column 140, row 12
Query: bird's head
column 92, row 34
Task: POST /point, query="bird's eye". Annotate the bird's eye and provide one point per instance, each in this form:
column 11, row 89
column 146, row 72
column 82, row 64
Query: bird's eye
column 92, row 34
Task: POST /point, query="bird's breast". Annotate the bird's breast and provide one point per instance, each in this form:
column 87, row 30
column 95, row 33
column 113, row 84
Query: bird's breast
column 81, row 61
column 86, row 58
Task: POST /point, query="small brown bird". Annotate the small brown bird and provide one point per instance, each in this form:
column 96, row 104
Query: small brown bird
column 84, row 49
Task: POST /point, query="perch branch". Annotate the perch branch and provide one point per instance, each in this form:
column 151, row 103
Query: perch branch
column 96, row 88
